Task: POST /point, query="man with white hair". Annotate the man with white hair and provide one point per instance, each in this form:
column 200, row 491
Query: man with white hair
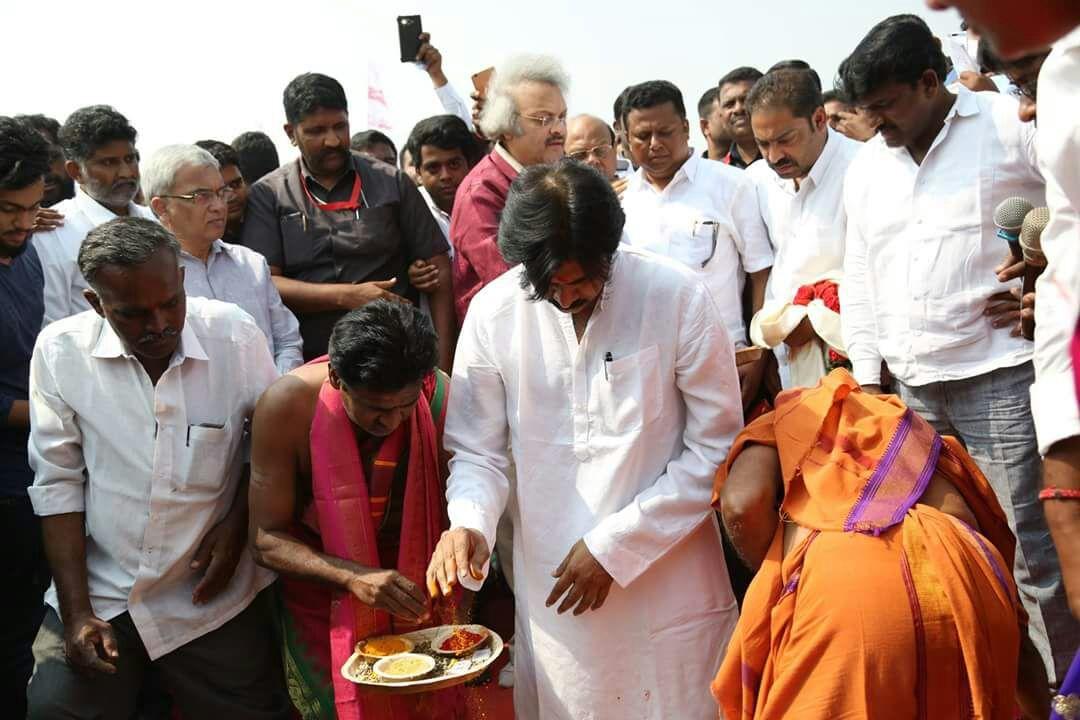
column 188, row 194
column 525, row 114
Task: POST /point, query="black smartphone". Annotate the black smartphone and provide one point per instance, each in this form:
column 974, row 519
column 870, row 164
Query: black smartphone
column 408, row 30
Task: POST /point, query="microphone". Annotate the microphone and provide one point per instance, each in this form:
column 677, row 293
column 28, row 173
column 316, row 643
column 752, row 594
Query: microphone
column 1034, row 260
column 1009, row 219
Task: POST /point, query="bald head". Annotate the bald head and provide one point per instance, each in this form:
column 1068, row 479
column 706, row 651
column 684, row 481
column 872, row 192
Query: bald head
column 592, row 141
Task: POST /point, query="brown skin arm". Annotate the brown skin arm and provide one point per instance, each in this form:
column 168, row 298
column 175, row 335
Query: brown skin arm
column 19, row 415
column 441, row 302
column 279, row 449
column 1061, row 468
column 305, row 297
column 748, row 503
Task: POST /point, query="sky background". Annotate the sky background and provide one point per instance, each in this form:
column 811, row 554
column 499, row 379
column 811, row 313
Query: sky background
column 185, row 70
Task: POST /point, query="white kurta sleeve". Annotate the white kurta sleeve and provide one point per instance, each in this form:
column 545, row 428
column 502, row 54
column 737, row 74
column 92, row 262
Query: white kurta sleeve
column 629, row 541
column 856, row 311
column 477, row 436
column 288, row 346
column 55, row 448
column 454, row 104
column 752, row 236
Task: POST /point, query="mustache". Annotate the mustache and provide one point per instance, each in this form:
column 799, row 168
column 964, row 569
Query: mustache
column 151, row 338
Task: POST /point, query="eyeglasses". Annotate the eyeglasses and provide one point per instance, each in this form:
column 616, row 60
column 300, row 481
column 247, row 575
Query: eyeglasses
column 546, row 121
column 203, row 197
column 600, row 152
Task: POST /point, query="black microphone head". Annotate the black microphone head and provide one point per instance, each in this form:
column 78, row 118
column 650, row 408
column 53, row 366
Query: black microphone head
column 1009, row 215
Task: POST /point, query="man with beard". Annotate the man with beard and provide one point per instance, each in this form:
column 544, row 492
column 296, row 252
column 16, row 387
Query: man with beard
column 138, row 414
column 58, row 186
column 731, row 93
column 339, row 229
column 229, row 165
column 525, row 116
column 702, row 213
column 24, row 160
column 921, row 284
column 800, row 192
column 99, row 144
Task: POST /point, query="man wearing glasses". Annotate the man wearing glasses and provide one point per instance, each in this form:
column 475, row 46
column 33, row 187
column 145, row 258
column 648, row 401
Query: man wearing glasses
column 190, row 197
column 592, row 141
column 99, row 144
column 700, row 212
column 525, row 114
column 228, row 161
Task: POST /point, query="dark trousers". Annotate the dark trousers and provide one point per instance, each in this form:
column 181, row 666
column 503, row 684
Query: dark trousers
column 232, row 673
column 25, row 579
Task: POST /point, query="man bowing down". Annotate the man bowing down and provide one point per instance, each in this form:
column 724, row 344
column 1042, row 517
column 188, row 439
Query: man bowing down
column 606, row 377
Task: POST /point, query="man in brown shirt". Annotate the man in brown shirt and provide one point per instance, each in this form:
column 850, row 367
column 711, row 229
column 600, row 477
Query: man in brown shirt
column 338, row 229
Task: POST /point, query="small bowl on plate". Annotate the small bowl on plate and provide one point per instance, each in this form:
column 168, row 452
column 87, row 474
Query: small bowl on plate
column 449, row 632
column 407, row 666
column 376, row 648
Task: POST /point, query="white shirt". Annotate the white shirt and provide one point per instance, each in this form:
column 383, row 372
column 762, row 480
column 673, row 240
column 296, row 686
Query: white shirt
column 236, row 274
column 454, row 104
column 153, row 468
column 806, row 225
column 922, row 246
column 442, row 218
column 1053, row 396
column 59, row 252
column 620, row 452
column 705, row 201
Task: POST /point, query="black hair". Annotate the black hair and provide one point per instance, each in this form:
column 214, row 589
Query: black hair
column 364, row 139
column 832, row 96
column 797, row 65
column 224, row 154
column 795, row 90
column 401, row 156
column 90, row 128
column 704, row 105
column 617, row 106
column 744, row 74
column 309, row 92
column 123, row 242
column 383, row 346
column 556, row 214
column 1026, row 67
column 24, row 154
column 899, row 49
column 47, row 126
column 446, row 132
column 256, row 153
column 651, row 94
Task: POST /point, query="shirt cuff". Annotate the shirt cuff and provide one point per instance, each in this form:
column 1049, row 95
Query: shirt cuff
column 467, row 514
column 1054, row 409
column 867, row 372
column 622, row 564
column 57, row 498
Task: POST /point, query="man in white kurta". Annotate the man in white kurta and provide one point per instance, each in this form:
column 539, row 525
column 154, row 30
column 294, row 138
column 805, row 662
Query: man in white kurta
column 616, row 426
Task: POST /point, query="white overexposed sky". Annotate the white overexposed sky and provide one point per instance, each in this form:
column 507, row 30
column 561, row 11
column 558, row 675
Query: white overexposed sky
column 185, row 70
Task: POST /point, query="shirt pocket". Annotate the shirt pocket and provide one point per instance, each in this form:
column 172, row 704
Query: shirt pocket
column 210, row 452
column 373, row 234
column 630, row 397
column 300, row 241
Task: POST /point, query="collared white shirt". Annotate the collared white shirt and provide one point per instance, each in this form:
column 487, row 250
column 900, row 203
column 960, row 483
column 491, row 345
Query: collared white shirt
column 236, row 274
column 708, row 219
column 153, row 468
column 442, row 218
column 806, row 225
column 510, row 159
column 59, row 252
column 1057, row 305
column 615, row 438
column 922, row 246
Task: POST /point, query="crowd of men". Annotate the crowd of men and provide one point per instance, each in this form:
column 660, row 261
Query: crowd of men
column 784, row 422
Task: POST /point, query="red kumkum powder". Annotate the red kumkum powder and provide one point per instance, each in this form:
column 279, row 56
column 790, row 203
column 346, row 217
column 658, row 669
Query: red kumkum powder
column 461, row 640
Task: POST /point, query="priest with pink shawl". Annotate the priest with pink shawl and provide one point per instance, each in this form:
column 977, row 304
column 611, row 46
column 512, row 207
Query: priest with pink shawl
column 348, row 502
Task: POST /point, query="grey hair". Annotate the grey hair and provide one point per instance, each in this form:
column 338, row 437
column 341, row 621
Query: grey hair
column 500, row 114
column 159, row 172
column 123, row 242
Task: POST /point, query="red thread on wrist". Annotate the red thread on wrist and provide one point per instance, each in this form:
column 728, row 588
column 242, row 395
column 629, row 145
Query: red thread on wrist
column 1055, row 493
